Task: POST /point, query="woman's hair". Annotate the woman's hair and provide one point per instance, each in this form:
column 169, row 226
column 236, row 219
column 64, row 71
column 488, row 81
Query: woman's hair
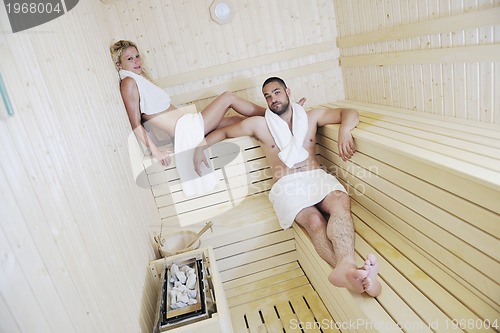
column 117, row 50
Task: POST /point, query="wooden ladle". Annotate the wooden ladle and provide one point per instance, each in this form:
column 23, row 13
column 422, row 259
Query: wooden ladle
column 202, row 231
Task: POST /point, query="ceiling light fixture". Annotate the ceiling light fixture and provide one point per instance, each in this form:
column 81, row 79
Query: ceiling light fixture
column 222, row 11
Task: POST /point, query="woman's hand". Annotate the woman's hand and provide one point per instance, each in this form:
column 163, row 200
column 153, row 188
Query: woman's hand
column 198, row 158
column 162, row 155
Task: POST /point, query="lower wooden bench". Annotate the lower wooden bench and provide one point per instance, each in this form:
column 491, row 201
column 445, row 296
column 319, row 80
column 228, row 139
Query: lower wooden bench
column 275, row 300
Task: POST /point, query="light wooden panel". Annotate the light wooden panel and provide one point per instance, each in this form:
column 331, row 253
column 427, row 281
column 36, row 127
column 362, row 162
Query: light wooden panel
column 438, row 226
column 423, row 56
column 471, row 54
column 74, row 229
column 246, row 175
column 194, row 58
column 245, row 64
column 470, row 20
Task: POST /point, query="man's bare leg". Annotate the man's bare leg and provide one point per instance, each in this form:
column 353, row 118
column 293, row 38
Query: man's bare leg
column 334, row 242
column 340, row 231
column 314, row 223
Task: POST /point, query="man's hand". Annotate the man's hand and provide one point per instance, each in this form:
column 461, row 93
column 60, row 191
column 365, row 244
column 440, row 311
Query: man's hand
column 198, row 158
column 346, row 145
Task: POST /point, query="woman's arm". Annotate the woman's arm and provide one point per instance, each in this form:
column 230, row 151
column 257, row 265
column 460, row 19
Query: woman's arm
column 130, row 96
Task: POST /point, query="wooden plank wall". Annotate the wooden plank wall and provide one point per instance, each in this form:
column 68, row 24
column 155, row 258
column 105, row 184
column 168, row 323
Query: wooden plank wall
column 74, row 227
column 195, row 58
column 438, row 56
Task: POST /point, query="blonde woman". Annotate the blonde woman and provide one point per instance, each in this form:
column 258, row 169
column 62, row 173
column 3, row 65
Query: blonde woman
column 146, row 102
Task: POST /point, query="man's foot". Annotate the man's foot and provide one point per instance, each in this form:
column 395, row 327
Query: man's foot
column 347, row 275
column 371, row 285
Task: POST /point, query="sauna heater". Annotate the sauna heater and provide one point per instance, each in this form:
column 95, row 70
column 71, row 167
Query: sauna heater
column 172, row 310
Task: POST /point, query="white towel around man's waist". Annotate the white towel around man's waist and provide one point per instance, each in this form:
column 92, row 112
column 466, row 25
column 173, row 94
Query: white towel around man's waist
column 189, row 132
column 296, row 191
column 291, row 145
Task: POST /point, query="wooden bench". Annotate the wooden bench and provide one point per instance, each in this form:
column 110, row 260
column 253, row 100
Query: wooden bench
column 425, row 199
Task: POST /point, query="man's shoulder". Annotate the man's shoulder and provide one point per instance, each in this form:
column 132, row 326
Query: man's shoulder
column 320, row 116
column 314, row 114
column 258, row 126
column 317, row 111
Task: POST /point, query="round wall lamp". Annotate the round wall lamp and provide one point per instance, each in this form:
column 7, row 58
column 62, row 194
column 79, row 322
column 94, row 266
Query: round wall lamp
column 222, row 11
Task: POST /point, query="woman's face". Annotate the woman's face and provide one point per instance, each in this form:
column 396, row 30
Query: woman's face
column 130, row 60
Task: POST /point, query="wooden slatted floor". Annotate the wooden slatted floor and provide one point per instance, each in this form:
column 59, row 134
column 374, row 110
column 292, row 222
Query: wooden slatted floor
column 277, row 300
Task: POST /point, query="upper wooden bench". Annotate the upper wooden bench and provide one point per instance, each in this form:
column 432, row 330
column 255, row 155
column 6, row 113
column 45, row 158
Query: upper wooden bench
column 425, row 196
column 425, row 199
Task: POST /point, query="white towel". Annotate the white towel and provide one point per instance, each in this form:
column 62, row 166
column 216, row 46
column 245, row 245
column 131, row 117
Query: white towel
column 189, row 132
column 296, row 191
column 152, row 99
column 291, row 145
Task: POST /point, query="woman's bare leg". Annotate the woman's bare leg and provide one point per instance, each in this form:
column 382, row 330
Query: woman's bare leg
column 215, row 111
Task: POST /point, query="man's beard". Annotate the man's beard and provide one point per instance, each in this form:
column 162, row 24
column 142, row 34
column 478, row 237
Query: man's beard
column 279, row 110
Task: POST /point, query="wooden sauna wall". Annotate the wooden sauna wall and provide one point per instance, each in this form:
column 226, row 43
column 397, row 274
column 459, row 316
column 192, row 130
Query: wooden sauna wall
column 75, row 230
column 436, row 56
column 75, row 237
column 195, row 58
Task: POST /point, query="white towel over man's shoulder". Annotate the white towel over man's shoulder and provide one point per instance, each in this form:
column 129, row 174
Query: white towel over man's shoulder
column 290, row 143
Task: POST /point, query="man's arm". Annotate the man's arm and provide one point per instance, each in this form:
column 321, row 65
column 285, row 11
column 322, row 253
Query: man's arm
column 246, row 127
column 348, row 120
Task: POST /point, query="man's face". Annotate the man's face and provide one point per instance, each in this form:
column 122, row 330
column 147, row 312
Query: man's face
column 276, row 97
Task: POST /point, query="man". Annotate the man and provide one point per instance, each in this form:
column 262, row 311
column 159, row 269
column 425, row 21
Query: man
column 303, row 191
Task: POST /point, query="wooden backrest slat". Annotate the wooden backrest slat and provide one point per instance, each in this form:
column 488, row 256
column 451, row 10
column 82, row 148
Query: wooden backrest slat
column 443, row 124
column 475, row 183
column 365, row 165
column 245, row 175
column 463, row 148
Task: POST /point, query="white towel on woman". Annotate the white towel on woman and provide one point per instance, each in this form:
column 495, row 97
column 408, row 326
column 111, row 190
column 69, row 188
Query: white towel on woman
column 189, row 132
column 291, row 145
column 152, row 99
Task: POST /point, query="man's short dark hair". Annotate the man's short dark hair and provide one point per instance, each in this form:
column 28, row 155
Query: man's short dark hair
column 274, row 79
